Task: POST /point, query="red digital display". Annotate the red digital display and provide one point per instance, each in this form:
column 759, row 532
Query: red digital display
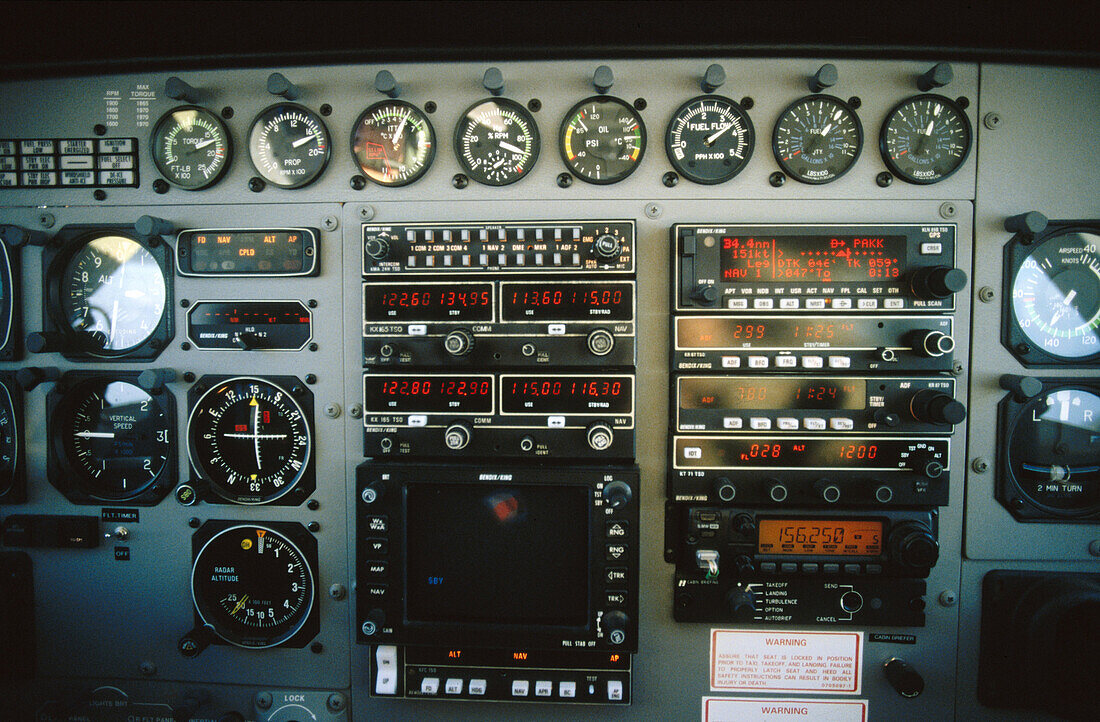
column 612, row 301
column 412, row 393
column 428, row 302
column 813, row 259
column 567, row 394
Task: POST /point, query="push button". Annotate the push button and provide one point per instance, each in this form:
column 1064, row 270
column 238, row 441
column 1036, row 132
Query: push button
column 477, row 687
column 520, row 687
column 429, row 685
column 567, row 690
column 544, row 688
column 616, row 529
column 615, row 552
column 614, row 690
column 453, row 686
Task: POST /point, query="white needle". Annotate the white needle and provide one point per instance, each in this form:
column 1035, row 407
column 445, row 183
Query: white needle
column 510, row 147
column 826, row 129
column 499, row 163
column 114, row 319
column 718, row 135
column 208, row 141
column 301, row 141
column 928, row 130
column 1070, row 296
column 256, row 427
column 400, row 127
column 95, row 434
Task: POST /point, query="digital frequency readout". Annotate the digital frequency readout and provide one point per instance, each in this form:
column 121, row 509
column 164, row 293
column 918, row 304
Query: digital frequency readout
column 826, row 537
column 756, row 394
column 862, row 454
column 567, row 301
column 813, row 259
column 426, row 394
column 566, row 394
column 428, row 302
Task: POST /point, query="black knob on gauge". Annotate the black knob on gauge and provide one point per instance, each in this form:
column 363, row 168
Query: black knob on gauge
column 1022, row 387
column 600, row 342
column 277, row 84
column 456, row 437
column 714, row 78
column 45, row 342
column 617, row 494
column 905, row 680
column 704, row 294
column 724, row 489
column 17, row 236
column 608, row 246
column 935, row 407
column 914, row 546
column 385, row 83
column 493, row 81
column 932, row 344
column 742, row 605
column 458, row 342
column 377, row 248
column 744, row 525
column 937, row 76
column 603, row 79
column 600, row 436
column 176, row 89
column 153, row 226
column 937, row 282
column 886, row 418
column 29, row 378
column 825, row 77
column 154, row 380
column 1028, row 224
column 614, row 625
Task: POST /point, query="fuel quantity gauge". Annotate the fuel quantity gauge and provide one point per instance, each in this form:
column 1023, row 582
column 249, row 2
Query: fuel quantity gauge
column 925, row 139
column 709, row 139
column 817, row 139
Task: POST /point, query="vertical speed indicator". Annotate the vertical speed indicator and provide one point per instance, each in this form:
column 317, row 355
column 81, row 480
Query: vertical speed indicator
column 710, row 139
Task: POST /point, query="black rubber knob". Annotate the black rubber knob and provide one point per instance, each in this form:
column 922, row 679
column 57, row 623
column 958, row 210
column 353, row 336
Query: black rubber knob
column 724, row 488
column 741, row 605
column 744, row 525
column 705, row 294
column 886, row 418
column 29, row 377
column 825, row 77
column 154, row 380
column 493, row 81
column 17, row 236
column 45, row 342
column 937, row 282
column 603, row 79
column 935, row 407
column 905, row 680
column 937, row 76
column 1022, row 387
column 176, row 89
column 385, row 83
column 932, row 344
column 377, row 248
column 153, row 226
column 714, row 78
column 1028, row 224
column 277, row 84
column 743, row 565
column 617, row 494
column 914, row 546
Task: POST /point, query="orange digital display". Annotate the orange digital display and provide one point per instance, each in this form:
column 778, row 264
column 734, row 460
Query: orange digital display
column 821, row 537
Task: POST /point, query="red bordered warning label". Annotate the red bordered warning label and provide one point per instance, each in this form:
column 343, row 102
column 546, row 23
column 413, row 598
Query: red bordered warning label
column 731, row 709
column 821, row 662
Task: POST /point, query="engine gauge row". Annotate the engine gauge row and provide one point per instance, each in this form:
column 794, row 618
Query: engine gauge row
column 709, row 140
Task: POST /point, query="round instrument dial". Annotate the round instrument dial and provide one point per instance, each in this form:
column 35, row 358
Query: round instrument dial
column 393, row 143
column 497, row 142
column 289, row 145
column 250, row 439
column 710, row 139
column 1056, row 296
column 602, row 139
column 9, row 441
column 925, row 139
column 113, row 438
column 1054, row 451
column 191, row 147
column 113, row 294
column 817, row 139
column 252, row 586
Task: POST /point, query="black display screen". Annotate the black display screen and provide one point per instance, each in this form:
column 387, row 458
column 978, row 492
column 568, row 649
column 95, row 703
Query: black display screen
column 428, row 302
column 275, row 252
column 754, row 393
column 814, row 259
column 773, row 452
column 566, row 394
column 749, row 332
column 608, row 301
column 412, row 393
column 499, row 554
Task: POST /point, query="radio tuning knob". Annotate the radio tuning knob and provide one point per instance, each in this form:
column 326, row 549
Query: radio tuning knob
column 742, row 605
column 601, row 342
column 744, row 525
column 937, row 282
column 886, row 418
column 617, row 494
column 456, row 437
column 373, row 492
column 935, row 407
column 600, row 436
column 724, row 489
column 704, row 294
column 614, row 624
column 743, row 565
column 377, row 248
column 932, row 344
column 608, row 246
column 913, row 545
column 458, row 342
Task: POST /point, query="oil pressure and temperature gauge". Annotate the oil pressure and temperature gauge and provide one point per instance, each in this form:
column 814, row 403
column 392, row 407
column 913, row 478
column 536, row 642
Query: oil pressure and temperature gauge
column 602, row 139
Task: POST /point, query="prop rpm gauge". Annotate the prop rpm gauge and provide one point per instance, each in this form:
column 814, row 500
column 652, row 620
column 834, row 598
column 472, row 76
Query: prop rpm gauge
column 289, row 145
column 249, row 439
column 1052, row 452
column 191, row 147
column 602, row 139
column 393, row 143
column 925, row 139
column 1056, row 296
column 253, row 586
column 497, row 142
column 817, row 139
column 710, row 139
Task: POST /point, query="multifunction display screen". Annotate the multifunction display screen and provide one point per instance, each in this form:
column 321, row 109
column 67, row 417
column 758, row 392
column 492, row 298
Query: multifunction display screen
column 813, row 259
column 607, row 301
column 413, row 393
column 587, row 394
column 825, row 537
column 427, row 302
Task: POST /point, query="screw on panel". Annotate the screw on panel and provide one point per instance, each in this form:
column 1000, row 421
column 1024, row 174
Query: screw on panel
column 46, row 220
column 980, row 465
column 313, row 505
column 986, row 294
column 311, row 379
column 160, row 186
column 358, row 182
column 992, row 121
column 460, row 181
column 329, row 223
column 652, row 210
column 747, row 103
column 313, row 347
column 366, row 212
column 336, row 702
column 670, row 179
column 948, row 598
column 326, row 109
column 534, row 105
column 337, row 591
column 188, row 376
column 255, row 184
column 884, row 179
column 100, row 195
column 263, row 700
column 227, row 112
column 356, row 411
column 1094, row 547
column 777, row 179
column 148, row 668
column 957, row 369
column 313, row 526
column 332, row 411
column 948, row 210
column 312, row 303
column 316, row 647
column 185, row 346
column 565, row 180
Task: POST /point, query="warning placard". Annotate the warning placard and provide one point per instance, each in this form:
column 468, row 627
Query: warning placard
column 829, row 662
column 732, row 709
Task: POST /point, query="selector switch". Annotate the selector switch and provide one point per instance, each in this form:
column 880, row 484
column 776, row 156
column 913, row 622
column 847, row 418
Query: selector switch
column 914, row 546
column 905, row 680
column 705, row 294
column 608, row 246
column 614, row 625
column 937, row 282
column 617, row 494
column 742, row 605
column 456, row 437
column 932, row 344
column 935, row 407
column 377, row 248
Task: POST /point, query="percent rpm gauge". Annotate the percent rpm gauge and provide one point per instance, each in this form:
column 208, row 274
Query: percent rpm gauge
column 817, row 139
column 289, row 145
column 393, row 143
column 253, row 586
column 1056, row 296
column 191, row 147
column 925, row 139
column 602, row 139
column 710, row 139
column 497, row 142
column 249, row 439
